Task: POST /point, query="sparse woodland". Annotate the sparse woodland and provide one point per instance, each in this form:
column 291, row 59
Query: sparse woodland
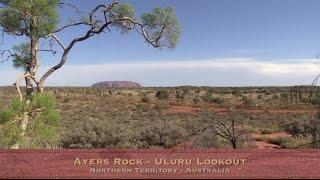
column 35, row 116
column 141, row 118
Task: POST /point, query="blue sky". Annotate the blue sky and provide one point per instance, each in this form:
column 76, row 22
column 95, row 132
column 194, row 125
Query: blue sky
column 264, row 35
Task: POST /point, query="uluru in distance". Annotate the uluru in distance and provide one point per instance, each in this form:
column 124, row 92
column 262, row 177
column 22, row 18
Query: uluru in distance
column 117, row 84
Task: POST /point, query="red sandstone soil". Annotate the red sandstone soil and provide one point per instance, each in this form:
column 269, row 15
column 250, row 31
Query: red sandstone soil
column 271, row 136
column 181, row 109
column 265, row 145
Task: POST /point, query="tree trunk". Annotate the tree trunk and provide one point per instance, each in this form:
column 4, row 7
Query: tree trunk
column 34, row 62
column 29, row 87
column 40, row 88
column 234, row 144
column 32, row 70
column 32, row 67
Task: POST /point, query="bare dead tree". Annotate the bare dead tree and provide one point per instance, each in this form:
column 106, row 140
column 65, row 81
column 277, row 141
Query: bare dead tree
column 315, row 131
column 230, row 129
column 313, row 125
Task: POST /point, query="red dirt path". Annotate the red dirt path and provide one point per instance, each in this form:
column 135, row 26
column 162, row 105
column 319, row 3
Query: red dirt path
column 192, row 110
column 181, row 109
column 266, row 145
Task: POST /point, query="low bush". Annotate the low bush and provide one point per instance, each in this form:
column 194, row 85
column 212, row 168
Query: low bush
column 207, row 97
column 270, row 129
column 162, row 94
column 6, row 116
column 296, row 128
column 289, row 142
column 180, row 95
column 217, row 100
column 248, row 103
column 208, row 139
column 107, row 134
column 89, row 134
column 161, row 135
column 210, row 99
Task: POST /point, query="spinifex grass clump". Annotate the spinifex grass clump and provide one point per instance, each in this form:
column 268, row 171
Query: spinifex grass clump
column 43, row 123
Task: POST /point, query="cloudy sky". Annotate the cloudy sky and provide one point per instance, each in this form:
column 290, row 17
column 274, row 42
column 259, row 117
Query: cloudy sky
column 223, row 43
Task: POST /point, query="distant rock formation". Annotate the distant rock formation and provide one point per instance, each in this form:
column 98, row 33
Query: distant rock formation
column 117, row 84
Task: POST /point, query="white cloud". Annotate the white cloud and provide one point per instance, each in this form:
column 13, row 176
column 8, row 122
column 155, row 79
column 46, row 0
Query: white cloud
column 214, row 72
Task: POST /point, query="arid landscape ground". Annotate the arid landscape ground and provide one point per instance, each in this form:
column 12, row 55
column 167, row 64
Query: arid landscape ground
column 180, row 117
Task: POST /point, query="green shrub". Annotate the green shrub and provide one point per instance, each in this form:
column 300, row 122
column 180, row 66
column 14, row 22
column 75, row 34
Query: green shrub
column 162, row 94
column 217, row 100
column 18, row 107
column 180, row 95
column 161, row 135
column 247, row 102
column 43, row 123
column 289, row 142
column 210, row 99
column 6, row 116
column 42, row 135
column 285, row 96
column 207, row 97
column 315, row 100
column 42, row 101
column 89, row 134
column 278, row 141
column 269, row 130
column 141, row 107
column 208, row 139
column 296, row 128
column 10, row 135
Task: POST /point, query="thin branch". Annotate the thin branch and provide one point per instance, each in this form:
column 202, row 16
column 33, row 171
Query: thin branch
column 76, row 9
column 17, row 83
column 2, row 37
column 6, row 55
column 315, row 81
column 68, row 26
column 57, row 40
column 144, row 32
column 20, row 32
column 48, row 50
